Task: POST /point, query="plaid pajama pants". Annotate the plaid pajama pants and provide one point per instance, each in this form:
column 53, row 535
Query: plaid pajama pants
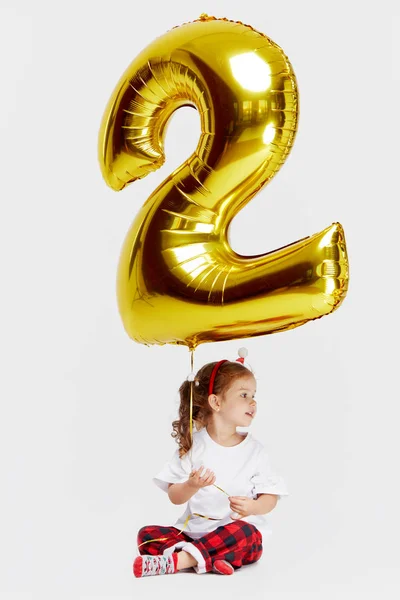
column 239, row 543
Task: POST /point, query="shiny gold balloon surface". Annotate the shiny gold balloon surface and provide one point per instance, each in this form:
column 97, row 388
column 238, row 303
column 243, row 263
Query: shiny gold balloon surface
column 179, row 281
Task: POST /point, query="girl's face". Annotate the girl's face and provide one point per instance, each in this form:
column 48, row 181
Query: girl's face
column 239, row 405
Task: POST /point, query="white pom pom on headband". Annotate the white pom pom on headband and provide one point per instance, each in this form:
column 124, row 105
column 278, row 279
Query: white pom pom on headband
column 243, row 352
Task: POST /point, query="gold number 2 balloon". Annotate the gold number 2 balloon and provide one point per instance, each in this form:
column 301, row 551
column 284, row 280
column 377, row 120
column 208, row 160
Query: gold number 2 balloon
column 179, row 281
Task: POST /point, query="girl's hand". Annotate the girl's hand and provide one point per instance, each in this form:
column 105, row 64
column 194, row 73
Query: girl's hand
column 198, row 480
column 241, row 505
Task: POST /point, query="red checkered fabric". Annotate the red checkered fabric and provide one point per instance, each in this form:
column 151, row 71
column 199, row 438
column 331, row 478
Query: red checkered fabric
column 239, row 543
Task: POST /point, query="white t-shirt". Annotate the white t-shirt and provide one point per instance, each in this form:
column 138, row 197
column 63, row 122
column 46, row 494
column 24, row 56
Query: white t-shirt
column 241, row 470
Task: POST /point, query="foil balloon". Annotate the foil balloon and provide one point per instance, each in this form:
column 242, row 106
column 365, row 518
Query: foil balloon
column 179, row 281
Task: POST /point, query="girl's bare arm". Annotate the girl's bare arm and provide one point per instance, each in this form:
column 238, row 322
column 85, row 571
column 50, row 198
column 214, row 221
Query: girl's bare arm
column 179, row 493
column 264, row 503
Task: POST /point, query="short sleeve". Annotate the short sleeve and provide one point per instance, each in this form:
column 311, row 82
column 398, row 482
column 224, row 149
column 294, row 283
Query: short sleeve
column 265, row 480
column 176, row 470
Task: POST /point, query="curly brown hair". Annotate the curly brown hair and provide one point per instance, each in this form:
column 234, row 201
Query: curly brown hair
column 202, row 411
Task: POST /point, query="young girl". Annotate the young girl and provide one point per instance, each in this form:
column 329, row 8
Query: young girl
column 224, row 476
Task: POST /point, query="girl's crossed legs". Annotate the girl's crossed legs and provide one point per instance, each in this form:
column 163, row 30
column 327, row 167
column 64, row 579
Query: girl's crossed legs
column 239, row 543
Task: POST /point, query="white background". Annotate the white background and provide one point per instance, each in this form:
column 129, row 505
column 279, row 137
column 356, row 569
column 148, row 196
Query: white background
column 86, row 413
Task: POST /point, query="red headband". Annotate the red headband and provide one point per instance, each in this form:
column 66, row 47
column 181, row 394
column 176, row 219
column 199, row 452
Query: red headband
column 242, row 354
column 213, row 374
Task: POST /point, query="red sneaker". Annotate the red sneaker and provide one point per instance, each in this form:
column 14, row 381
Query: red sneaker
column 222, row 567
